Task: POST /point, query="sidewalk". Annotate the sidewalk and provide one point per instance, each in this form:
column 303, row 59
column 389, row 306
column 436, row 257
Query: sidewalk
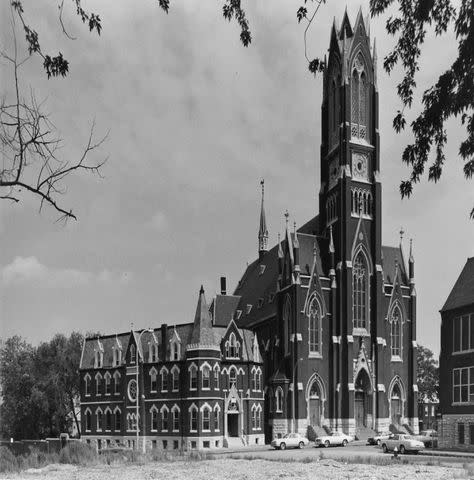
column 448, row 453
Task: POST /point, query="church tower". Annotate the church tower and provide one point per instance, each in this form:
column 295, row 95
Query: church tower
column 350, row 206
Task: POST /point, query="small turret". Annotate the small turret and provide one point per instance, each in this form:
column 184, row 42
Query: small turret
column 262, row 231
column 411, row 264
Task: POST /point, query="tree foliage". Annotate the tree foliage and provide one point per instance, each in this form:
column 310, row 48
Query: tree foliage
column 40, row 386
column 427, row 375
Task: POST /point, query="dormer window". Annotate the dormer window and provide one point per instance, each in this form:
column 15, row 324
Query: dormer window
column 98, row 359
column 133, row 354
column 260, row 303
column 232, row 347
column 262, row 269
column 153, row 356
column 271, row 297
column 232, row 377
column 249, row 308
column 238, row 314
column 117, row 357
column 175, row 352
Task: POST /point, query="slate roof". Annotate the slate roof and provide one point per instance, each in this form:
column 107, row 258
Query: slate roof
column 462, row 293
column 202, row 328
column 255, row 286
column 91, row 345
column 223, row 309
column 389, row 256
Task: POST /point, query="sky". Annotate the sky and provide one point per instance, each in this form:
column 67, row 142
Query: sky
column 195, row 120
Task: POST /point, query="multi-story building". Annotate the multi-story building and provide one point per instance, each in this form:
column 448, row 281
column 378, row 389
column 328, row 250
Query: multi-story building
column 456, row 364
column 335, row 309
column 193, row 385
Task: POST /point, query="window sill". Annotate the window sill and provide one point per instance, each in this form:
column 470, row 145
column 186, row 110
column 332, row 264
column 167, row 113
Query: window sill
column 175, row 390
column 205, row 388
column 360, row 332
column 164, row 431
column 164, row 391
column 315, row 355
column 206, row 431
column 461, row 404
column 396, row 359
column 193, row 431
column 176, row 431
column 462, row 352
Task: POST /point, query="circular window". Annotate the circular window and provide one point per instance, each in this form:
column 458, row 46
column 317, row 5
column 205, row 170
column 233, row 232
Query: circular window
column 132, row 390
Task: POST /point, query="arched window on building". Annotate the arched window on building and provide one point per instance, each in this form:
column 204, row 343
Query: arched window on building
column 108, row 383
column 117, row 380
column 153, row 353
column 154, row 418
column 175, row 377
column 132, row 354
column 217, row 412
column 98, row 384
column 206, row 377
column 153, row 380
column 88, row 420
column 99, row 418
column 118, row 419
column 164, row 418
column 175, row 350
column 233, row 347
column 193, row 418
column 206, row 418
column 396, row 332
column 192, row 377
column 87, row 385
column 314, row 326
column 279, row 399
column 360, row 291
column 232, row 377
column 359, row 96
column 108, row 419
column 164, row 379
column 175, row 413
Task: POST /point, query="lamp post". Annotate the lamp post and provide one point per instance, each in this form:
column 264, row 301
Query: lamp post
column 293, row 406
column 136, row 380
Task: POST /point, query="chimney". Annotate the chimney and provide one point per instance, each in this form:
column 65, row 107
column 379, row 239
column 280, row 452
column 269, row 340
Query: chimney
column 223, row 286
column 164, row 341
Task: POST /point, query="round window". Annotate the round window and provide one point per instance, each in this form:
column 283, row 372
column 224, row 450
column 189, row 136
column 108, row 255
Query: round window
column 132, row 390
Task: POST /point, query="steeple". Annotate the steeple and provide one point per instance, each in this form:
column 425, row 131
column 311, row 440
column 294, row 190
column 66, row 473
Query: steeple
column 296, row 255
column 411, row 263
column 202, row 329
column 262, row 231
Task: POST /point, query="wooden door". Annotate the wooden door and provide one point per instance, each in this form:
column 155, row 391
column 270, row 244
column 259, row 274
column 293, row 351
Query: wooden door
column 359, row 410
column 315, row 411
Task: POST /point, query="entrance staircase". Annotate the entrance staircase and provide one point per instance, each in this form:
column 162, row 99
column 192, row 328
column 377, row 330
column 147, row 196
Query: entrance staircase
column 234, row 442
column 363, row 433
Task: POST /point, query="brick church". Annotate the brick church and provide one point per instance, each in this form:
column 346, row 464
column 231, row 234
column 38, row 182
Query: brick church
column 333, row 308
column 321, row 328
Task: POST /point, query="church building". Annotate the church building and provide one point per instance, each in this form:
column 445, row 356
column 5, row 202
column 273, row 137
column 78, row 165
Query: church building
column 334, row 309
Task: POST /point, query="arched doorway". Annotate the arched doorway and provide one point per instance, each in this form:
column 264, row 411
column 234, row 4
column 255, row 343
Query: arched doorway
column 396, row 405
column 315, row 401
column 315, row 405
column 362, row 399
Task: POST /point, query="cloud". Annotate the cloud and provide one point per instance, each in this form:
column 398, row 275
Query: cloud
column 29, row 270
column 158, row 222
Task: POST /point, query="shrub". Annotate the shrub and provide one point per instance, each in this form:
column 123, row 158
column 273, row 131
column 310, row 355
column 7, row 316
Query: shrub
column 8, row 461
column 77, row 453
column 310, row 433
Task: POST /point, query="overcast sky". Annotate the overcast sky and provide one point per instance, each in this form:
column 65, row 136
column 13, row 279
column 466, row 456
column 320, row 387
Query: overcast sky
column 196, row 120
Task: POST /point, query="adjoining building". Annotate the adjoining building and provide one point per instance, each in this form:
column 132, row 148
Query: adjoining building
column 192, row 385
column 456, row 364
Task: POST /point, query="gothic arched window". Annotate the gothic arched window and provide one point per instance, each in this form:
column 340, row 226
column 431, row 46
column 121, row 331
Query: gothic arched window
column 359, row 102
column 396, row 332
column 287, row 323
column 314, row 320
column 360, row 291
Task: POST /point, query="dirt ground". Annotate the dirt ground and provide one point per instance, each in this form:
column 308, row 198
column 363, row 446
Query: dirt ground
column 240, row 469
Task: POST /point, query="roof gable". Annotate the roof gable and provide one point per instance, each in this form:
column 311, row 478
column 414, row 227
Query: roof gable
column 462, row 294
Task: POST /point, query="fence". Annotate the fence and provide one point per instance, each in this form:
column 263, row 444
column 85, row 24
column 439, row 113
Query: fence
column 50, row 445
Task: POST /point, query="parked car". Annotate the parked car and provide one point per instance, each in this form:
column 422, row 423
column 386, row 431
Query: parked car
column 333, row 440
column 428, row 437
column 379, row 437
column 290, row 440
column 403, row 443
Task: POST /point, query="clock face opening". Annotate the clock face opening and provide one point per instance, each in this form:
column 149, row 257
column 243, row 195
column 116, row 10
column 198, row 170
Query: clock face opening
column 132, row 390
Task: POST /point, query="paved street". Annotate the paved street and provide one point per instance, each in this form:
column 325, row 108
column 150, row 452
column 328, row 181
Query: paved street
column 355, row 449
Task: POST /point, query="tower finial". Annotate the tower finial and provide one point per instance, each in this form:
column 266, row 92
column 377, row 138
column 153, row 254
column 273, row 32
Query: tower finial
column 287, row 216
column 411, row 259
column 402, row 232
column 263, row 230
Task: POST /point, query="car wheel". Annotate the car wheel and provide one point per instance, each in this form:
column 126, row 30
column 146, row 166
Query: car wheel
column 384, row 448
column 301, row 445
column 344, row 442
column 402, row 449
column 378, row 442
column 326, row 443
column 282, row 446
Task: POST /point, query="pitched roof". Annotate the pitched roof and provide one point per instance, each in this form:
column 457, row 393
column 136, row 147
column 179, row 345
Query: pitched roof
column 108, row 342
column 259, row 281
column 462, row 293
column 390, row 256
column 223, row 309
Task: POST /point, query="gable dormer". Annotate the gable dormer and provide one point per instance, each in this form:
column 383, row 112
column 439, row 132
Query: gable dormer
column 175, row 345
column 232, row 342
column 153, row 348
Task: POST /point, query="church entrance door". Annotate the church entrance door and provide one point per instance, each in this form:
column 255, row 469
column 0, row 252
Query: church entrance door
column 362, row 399
column 233, row 424
column 396, row 406
column 314, row 406
column 359, row 410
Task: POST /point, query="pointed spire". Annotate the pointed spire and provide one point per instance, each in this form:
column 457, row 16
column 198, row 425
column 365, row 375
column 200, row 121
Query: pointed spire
column 411, row 259
column 402, row 232
column 202, row 329
column 296, row 243
column 280, row 250
column 411, row 266
column 296, row 255
column 263, row 230
column 374, row 62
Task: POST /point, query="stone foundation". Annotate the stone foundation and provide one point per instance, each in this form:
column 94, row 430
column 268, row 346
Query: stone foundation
column 449, row 432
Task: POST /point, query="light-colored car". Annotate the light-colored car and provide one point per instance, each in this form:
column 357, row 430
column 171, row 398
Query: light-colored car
column 290, row 440
column 428, row 437
column 333, row 440
column 403, row 443
column 379, row 438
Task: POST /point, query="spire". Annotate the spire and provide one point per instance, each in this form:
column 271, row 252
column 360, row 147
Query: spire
column 280, row 262
column 296, row 255
column 374, row 62
column 262, row 231
column 411, row 259
column 402, row 232
column 331, row 241
column 280, row 250
column 202, row 328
